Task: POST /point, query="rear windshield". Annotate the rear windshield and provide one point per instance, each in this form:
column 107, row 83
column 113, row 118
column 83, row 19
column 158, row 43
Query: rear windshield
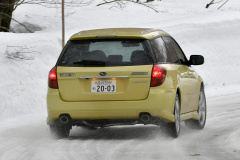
column 93, row 53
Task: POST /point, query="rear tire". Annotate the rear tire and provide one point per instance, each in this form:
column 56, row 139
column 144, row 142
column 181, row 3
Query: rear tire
column 202, row 113
column 174, row 128
column 59, row 131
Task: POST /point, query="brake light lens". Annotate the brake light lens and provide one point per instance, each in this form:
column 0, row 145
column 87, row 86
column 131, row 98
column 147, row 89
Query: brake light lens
column 158, row 75
column 52, row 78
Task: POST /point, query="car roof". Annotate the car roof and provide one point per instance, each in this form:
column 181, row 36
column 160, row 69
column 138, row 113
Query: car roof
column 119, row 33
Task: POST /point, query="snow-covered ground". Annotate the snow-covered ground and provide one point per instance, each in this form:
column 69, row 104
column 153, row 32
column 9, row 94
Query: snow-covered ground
column 27, row 138
column 213, row 33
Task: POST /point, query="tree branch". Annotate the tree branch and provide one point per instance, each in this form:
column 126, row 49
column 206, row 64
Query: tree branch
column 148, row 6
column 218, row 2
column 56, row 3
column 212, row 2
column 223, row 4
column 17, row 22
column 18, row 3
column 208, row 5
column 20, row 53
column 107, row 2
column 136, row 2
column 13, row 4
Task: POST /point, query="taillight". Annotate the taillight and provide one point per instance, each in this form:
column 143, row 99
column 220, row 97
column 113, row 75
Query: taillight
column 52, row 78
column 158, row 75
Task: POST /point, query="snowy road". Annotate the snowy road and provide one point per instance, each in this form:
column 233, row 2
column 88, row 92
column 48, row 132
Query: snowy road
column 27, row 138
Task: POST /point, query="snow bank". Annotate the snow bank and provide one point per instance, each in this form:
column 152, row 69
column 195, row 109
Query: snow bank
column 23, row 82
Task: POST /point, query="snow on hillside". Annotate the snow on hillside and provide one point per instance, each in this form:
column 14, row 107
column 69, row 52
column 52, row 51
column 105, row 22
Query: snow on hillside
column 213, row 33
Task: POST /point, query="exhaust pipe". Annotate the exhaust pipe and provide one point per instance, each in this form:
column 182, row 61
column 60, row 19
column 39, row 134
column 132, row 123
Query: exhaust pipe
column 64, row 119
column 145, row 117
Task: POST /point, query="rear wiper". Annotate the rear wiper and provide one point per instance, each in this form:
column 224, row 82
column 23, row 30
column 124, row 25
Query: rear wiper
column 90, row 62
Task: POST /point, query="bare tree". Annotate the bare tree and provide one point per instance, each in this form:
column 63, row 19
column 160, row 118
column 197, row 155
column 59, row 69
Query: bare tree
column 220, row 1
column 7, row 7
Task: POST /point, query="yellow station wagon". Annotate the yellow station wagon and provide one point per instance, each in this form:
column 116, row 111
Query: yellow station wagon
column 124, row 76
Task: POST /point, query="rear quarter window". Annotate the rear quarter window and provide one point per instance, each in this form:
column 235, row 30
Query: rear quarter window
column 174, row 49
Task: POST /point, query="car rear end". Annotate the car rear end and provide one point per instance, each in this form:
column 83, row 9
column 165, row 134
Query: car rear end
column 103, row 78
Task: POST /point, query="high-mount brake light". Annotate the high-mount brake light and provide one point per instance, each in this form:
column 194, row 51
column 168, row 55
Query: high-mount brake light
column 158, row 75
column 52, row 78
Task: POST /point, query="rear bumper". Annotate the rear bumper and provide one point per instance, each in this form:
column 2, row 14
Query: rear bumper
column 159, row 103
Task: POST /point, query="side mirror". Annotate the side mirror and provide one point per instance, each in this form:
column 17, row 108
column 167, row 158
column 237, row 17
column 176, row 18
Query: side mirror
column 196, row 60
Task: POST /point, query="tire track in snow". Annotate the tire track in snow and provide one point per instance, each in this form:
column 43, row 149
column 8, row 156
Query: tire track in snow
column 221, row 122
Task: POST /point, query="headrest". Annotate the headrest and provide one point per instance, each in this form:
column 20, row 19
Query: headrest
column 115, row 58
column 138, row 57
column 96, row 55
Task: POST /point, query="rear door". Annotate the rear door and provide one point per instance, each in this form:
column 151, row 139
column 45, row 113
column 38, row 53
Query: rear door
column 194, row 88
column 105, row 70
column 188, row 77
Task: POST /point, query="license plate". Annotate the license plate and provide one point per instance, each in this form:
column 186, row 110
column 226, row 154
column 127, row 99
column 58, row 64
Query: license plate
column 103, row 86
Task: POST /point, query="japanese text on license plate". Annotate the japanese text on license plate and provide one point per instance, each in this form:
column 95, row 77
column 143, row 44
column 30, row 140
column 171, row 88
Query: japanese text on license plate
column 103, row 86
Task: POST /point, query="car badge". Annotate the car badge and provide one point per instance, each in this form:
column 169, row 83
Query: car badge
column 103, row 73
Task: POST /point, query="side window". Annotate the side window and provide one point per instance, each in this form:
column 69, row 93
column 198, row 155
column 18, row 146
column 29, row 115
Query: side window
column 159, row 50
column 173, row 48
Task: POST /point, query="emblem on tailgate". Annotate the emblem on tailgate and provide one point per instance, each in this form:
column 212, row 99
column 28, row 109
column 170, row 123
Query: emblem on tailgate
column 139, row 73
column 67, row 75
column 103, row 73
